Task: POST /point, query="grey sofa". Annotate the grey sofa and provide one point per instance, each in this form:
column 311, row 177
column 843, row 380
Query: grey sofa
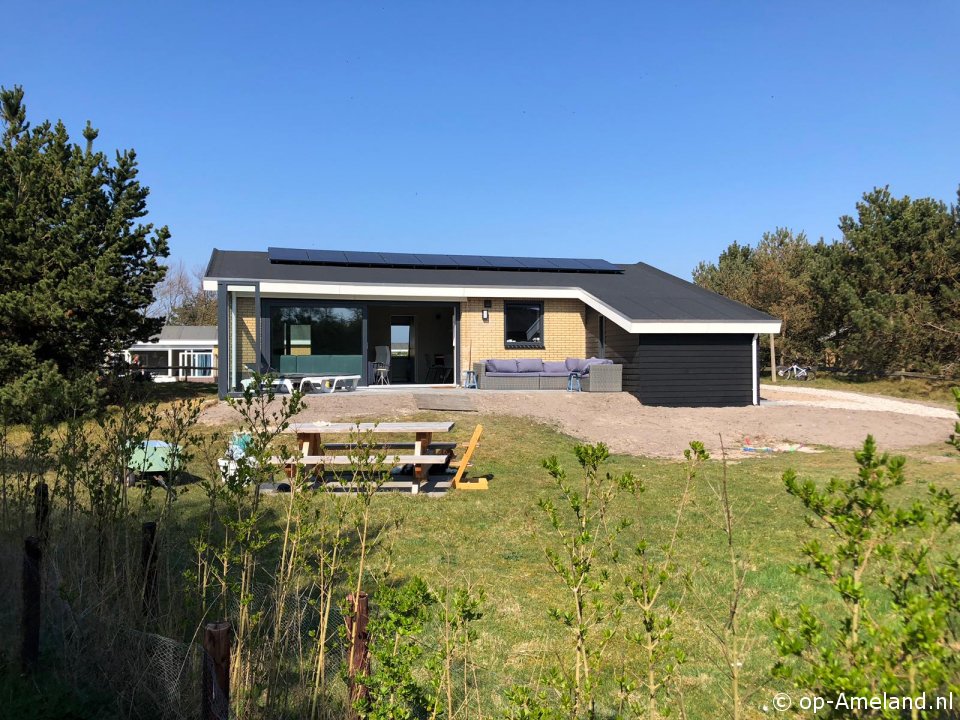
column 596, row 374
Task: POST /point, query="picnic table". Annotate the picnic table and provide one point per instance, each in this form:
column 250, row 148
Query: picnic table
column 310, row 441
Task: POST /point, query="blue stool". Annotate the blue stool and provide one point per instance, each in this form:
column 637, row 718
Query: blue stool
column 573, row 382
column 469, row 379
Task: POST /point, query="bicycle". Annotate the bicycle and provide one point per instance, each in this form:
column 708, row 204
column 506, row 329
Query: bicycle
column 797, row 372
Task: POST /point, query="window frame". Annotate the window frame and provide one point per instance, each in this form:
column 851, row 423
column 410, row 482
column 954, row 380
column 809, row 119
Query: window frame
column 541, row 345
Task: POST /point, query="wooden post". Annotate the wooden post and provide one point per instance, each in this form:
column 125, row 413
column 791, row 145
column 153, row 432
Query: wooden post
column 216, row 671
column 41, row 506
column 773, row 360
column 30, row 620
column 148, row 562
column 359, row 661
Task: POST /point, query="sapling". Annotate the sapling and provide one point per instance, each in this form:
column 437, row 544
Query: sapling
column 733, row 642
column 653, row 575
column 585, row 534
column 369, row 473
column 891, row 570
column 392, row 691
column 244, row 535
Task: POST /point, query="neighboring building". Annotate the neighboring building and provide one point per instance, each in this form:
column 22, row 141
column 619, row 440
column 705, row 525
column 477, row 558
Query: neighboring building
column 324, row 311
column 179, row 351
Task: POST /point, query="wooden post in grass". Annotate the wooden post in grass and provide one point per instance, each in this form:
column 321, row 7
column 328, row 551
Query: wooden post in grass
column 41, row 506
column 30, row 614
column 216, row 671
column 773, row 360
column 148, row 562
column 359, row 664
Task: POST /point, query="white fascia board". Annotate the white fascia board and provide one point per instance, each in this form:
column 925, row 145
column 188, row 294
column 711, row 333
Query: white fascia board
column 702, row 327
column 451, row 293
column 175, row 344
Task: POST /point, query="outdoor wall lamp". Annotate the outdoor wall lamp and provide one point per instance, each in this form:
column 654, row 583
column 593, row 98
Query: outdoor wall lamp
column 487, row 304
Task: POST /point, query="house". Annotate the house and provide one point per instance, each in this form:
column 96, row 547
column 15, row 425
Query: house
column 179, row 352
column 328, row 312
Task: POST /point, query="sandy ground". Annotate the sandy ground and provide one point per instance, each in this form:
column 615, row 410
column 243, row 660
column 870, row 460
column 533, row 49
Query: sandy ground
column 807, row 417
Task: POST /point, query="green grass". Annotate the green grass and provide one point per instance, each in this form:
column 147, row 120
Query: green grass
column 934, row 391
column 496, row 539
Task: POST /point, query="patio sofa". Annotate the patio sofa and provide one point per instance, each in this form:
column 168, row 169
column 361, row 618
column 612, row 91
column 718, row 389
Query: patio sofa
column 596, row 374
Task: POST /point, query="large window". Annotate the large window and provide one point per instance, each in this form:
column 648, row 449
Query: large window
column 523, row 324
column 316, row 340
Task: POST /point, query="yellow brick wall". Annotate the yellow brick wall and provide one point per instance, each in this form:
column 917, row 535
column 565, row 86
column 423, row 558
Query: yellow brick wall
column 246, row 335
column 564, row 332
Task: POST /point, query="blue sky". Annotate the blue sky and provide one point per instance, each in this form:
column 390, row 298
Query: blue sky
column 629, row 131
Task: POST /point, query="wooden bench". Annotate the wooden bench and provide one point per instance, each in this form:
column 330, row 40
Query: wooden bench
column 388, row 461
column 392, row 446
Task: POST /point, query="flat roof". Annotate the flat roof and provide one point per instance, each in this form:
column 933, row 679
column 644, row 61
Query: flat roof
column 640, row 293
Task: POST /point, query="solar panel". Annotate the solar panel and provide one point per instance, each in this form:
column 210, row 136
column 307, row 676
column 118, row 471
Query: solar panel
column 472, row 261
column 327, row 257
column 568, row 264
column 437, row 260
column 600, row 266
column 431, row 260
column 355, row 257
column 538, row 263
column 506, row 263
column 288, row 255
column 401, row 259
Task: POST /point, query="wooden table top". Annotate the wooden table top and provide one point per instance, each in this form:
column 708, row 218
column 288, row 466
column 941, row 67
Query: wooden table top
column 386, row 427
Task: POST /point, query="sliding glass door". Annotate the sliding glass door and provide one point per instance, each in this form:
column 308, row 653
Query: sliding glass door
column 314, row 339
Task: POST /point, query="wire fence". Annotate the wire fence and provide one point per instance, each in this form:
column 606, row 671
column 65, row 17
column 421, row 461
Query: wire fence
column 148, row 674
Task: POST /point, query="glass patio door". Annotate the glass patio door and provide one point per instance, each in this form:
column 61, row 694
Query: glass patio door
column 403, row 351
column 316, row 340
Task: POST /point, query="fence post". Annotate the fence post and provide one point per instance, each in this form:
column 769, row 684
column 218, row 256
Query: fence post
column 216, row 671
column 359, row 665
column 41, row 507
column 30, row 620
column 148, row 561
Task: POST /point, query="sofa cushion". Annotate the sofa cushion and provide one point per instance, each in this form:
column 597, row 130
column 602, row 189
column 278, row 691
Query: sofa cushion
column 513, row 374
column 586, row 364
column 572, row 364
column 501, row 366
column 555, row 368
column 530, row 365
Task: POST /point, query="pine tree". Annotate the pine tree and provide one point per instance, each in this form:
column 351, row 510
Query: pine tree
column 77, row 267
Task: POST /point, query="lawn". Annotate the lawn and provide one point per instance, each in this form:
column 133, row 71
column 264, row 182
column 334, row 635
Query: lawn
column 495, row 541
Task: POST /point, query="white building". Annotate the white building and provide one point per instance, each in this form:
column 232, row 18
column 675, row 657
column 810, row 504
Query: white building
column 179, row 351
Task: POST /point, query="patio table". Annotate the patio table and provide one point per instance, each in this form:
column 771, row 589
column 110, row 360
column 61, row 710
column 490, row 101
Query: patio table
column 310, row 439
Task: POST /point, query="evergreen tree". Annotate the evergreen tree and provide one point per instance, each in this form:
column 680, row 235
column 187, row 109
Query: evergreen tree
column 775, row 277
column 77, row 267
column 897, row 279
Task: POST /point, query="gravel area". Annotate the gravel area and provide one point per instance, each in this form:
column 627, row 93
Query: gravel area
column 841, row 400
column 796, row 416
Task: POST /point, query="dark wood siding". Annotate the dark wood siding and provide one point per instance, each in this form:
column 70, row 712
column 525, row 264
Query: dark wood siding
column 684, row 370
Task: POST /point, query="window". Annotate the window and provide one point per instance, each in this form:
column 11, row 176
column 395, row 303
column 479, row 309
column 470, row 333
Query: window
column 523, row 324
column 308, row 338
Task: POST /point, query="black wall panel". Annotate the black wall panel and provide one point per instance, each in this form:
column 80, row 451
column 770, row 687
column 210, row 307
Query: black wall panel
column 684, row 370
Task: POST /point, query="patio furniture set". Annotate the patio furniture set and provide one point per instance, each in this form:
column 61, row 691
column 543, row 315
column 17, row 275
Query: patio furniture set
column 422, row 456
column 575, row 374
